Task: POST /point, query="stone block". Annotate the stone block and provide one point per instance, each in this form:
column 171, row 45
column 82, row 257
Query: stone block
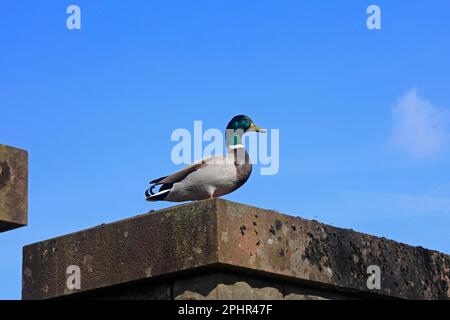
column 13, row 188
column 213, row 249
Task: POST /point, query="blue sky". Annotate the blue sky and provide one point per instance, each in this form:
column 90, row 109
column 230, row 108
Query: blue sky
column 363, row 115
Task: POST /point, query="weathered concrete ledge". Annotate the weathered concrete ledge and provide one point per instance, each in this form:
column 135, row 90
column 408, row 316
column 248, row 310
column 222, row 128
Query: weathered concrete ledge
column 218, row 249
column 13, row 188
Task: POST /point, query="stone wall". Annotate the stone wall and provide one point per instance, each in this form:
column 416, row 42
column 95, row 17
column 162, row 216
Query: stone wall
column 13, row 188
column 220, row 249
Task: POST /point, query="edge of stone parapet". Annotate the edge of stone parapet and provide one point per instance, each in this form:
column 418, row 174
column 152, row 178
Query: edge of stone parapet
column 320, row 254
column 132, row 249
column 223, row 234
column 13, row 188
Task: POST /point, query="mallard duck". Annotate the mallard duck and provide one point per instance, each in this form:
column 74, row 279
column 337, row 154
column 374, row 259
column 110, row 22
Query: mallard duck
column 211, row 177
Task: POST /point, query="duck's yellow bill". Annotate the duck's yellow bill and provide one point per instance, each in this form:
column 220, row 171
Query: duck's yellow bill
column 253, row 127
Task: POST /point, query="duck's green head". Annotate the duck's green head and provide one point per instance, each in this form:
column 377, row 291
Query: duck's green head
column 238, row 126
column 243, row 123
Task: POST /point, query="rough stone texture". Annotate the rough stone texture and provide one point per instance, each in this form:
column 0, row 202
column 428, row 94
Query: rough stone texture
column 218, row 249
column 210, row 284
column 145, row 246
column 243, row 291
column 238, row 291
column 13, row 188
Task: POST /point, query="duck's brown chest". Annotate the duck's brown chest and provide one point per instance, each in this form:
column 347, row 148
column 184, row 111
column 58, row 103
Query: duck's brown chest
column 243, row 166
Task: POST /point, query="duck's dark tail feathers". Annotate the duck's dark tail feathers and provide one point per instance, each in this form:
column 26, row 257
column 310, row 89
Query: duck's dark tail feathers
column 150, row 195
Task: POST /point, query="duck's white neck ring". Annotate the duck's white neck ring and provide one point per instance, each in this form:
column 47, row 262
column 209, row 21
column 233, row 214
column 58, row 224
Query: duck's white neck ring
column 236, row 146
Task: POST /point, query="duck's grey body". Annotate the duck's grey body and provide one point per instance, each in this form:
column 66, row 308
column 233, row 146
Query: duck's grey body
column 210, row 178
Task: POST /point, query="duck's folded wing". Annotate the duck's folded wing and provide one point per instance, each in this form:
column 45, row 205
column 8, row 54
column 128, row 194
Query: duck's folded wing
column 180, row 175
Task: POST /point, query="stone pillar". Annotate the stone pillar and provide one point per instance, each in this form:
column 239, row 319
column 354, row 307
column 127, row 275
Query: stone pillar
column 13, row 188
column 218, row 249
